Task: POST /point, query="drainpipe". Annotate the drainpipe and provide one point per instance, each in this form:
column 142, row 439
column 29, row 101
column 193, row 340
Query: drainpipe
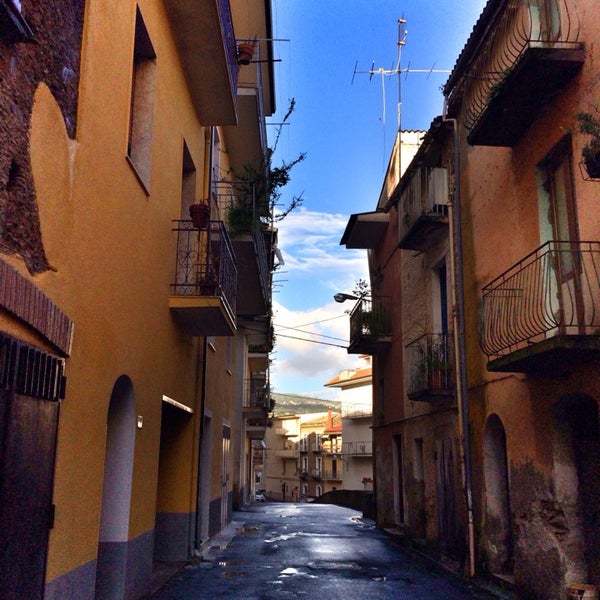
column 201, row 373
column 458, row 315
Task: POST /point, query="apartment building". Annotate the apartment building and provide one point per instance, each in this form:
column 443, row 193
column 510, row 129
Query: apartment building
column 281, row 463
column 482, row 319
column 125, row 346
column 405, row 324
column 357, row 415
column 303, row 456
column 529, row 228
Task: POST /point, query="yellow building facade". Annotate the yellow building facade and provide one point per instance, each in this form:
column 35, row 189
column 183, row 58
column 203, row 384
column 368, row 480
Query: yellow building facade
column 124, row 351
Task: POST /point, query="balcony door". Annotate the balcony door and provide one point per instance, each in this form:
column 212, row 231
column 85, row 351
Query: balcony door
column 558, row 221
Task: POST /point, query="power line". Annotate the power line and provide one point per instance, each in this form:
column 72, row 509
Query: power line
column 311, row 333
column 291, row 337
column 321, row 321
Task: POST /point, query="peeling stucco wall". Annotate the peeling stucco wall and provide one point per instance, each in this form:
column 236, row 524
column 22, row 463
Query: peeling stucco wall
column 547, row 538
column 52, row 57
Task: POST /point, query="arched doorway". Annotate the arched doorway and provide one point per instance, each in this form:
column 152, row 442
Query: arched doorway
column 577, row 481
column 116, row 493
column 498, row 522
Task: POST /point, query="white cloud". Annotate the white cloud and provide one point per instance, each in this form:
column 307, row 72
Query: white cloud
column 310, row 241
column 311, row 347
column 311, row 330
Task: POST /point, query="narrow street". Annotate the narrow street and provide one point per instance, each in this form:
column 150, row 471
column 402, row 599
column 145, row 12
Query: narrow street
column 278, row 550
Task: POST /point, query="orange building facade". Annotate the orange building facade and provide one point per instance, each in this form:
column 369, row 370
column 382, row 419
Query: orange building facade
column 130, row 383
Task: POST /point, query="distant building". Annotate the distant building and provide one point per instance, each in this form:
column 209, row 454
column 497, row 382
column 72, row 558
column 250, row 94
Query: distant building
column 357, row 417
column 302, row 455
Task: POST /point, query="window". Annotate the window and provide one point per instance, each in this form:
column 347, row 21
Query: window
column 188, row 181
column 418, row 466
column 139, row 143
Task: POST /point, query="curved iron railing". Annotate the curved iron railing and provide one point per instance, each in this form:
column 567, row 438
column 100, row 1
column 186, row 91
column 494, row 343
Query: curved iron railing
column 553, row 291
column 523, row 24
column 205, row 262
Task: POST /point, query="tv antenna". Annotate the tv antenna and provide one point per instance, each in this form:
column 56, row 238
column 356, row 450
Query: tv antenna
column 396, row 70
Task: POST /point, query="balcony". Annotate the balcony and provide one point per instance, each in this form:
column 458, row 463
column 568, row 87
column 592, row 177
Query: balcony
column 247, row 140
column 203, row 296
column 206, row 42
column 332, row 448
column 356, row 411
column 256, row 400
column 288, row 430
column 543, row 314
column 423, row 209
column 256, row 427
column 429, row 361
column 520, row 57
column 253, row 243
column 358, row 449
column 331, row 475
column 287, row 453
column 317, row 474
column 370, row 326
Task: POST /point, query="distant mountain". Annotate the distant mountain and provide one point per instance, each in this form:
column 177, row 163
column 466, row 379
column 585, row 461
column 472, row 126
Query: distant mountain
column 286, row 404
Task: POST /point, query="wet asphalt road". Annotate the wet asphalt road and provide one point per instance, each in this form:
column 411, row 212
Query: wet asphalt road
column 308, row 551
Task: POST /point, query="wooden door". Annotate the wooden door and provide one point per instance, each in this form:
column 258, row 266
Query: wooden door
column 30, row 387
column 446, row 497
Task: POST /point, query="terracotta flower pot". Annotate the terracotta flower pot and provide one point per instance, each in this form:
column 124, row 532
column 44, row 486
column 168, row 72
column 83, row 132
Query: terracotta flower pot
column 245, row 53
column 200, row 215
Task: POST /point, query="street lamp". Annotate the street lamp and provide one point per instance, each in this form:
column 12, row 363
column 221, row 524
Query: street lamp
column 340, row 297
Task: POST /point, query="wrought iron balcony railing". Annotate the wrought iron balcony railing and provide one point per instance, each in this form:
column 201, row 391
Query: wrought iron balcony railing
column 257, row 395
column 529, row 52
column 370, row 326
column 430, row 361
column 551, row 294
column 205, row 263
column 247, row 226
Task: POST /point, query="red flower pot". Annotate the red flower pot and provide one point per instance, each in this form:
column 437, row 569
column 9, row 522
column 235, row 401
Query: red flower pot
column 200, row 215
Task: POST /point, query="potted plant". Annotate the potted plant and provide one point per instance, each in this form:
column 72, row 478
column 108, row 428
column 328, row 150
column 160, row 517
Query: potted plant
column 259, row 189
column 433, row 370
column 200, row 214
column 590, row 153
column 245, row 52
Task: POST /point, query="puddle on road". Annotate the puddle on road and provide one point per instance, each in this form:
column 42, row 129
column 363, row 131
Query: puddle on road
column 330, row 565
column 284, row 537
column 360, row 521
column 291, row 571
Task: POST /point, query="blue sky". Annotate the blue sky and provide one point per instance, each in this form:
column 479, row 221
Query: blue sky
column 346, row 123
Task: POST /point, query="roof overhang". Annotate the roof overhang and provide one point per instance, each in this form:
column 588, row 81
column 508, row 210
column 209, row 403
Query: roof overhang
column 365, row 230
